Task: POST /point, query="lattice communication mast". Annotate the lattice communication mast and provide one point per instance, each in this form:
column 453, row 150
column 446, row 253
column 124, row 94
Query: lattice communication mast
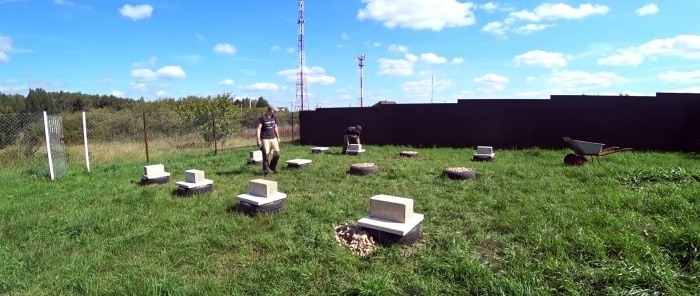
column 361, row 63
column 302, row 98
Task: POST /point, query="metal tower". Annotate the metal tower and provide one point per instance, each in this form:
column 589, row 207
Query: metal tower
column 361, row 63
column 302, row 98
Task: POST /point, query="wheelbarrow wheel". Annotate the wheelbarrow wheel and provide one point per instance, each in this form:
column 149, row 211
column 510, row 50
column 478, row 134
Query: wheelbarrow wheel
column 575, row 159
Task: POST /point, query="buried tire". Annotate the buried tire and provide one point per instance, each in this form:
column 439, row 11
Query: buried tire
column 408, row 153
column 153, row 181
column 575, row 159
column 363, row 168
column 183, row 191
column 268, row 208
column 386, row 238
column 459, row 173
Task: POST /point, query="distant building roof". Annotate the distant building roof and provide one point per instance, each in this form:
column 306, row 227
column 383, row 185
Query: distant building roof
column 384, row 103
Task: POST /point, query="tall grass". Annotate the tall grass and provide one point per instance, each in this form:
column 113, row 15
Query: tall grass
column 528, row 226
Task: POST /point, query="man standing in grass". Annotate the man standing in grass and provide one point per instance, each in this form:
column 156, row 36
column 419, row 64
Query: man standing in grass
column 351, row 136
column 268, row 139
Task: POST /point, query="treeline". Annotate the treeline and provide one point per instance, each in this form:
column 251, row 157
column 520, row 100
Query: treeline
column 111, row 118
column 38, row 100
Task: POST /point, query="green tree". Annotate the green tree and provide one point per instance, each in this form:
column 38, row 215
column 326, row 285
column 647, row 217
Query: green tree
column 200, row 111
column 261, row 103
column 38, row 100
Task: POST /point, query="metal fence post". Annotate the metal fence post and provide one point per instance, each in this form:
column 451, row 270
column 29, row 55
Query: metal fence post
column 85, row 143
column 213, row 129
column 48, row 145
column 145, row 137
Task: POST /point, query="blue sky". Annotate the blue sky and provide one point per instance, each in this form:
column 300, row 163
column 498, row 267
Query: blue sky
column 417, row 51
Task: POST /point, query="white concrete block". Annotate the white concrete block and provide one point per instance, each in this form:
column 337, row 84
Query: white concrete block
column 354, row 147
column 191, row 185
column 486, row 150
column 391, row 226
column 194, row 176
column 257, row 200
column 319, row 149
column 262, row 187
column 298, row 162
column 154, row 169
column 392, row 208
column 255, row 155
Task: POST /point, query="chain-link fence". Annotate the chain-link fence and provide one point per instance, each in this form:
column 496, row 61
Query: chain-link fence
column 22, row 140
column 114, row 136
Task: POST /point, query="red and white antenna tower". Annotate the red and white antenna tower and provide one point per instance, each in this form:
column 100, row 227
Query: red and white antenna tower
column 302, row 98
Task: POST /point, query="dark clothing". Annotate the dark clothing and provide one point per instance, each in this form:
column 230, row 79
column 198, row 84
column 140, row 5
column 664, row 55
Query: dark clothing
column 268, row 127
column 352, row 131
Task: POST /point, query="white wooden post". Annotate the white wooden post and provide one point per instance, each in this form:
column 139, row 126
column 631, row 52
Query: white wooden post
column 85, row 142
column 48, row 145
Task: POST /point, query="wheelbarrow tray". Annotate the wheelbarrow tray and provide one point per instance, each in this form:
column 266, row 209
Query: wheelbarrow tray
column 592, row 148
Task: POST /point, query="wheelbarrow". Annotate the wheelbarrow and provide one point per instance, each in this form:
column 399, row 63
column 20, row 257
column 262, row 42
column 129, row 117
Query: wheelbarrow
column 591, row 149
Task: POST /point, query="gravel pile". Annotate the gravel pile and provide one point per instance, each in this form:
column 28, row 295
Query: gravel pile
column 356, row 239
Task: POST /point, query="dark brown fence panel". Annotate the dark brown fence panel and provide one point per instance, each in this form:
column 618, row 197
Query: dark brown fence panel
column 667, row 122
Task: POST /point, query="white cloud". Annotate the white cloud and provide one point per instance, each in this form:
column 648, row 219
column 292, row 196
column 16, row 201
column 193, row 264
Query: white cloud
column 432, row 58
column 489, row 7
column 457, row 60
column 226, row 82
column 171, row 72
column 549, row 11
column 542, row 58
column 344, row 36
column 422, row 90
column 392, row 67
column 623, row 58
column 161, row 93
column 63, row 2
column 137, row 12
column 648, row 9
column 411, row 57
column 495, row 28
column 117, row 93
column 5, row 47
column 275, row 48
column 291, row 49
column 530, row 79
column 167, row 72
column 493, row 82
column 682, row 77
column 398, row 48
column 531, row 28
column 581, row 80
column 419, row 14
column 692, row 89
column 225, row 48
column 314, row 75
column 262, row 86
column 684, row 46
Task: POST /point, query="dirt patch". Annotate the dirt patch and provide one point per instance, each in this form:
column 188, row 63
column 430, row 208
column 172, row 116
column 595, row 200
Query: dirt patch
column 356, row 239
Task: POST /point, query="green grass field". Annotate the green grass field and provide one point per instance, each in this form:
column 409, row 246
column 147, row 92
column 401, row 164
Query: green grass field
column 528, row 226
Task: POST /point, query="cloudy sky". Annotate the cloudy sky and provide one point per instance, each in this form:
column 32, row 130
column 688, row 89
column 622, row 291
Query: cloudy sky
column 417, row 51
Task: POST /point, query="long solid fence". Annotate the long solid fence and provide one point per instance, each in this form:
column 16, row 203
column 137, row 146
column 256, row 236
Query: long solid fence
column 115, row 136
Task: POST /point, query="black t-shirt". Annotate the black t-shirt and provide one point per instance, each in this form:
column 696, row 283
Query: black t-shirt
column 352, row 131
column 268, row 127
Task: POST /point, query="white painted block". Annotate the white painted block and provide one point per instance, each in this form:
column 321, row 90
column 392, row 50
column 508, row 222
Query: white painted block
column 392, row 208
column 194, row 176
column 354, row 147
column 485, row 150
column 257, row 200
column 154, row 169
column 256, row 155
column 298, row 162
column 319, row 149
column 262, row 187
column 191, row 185
column 391, row 226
